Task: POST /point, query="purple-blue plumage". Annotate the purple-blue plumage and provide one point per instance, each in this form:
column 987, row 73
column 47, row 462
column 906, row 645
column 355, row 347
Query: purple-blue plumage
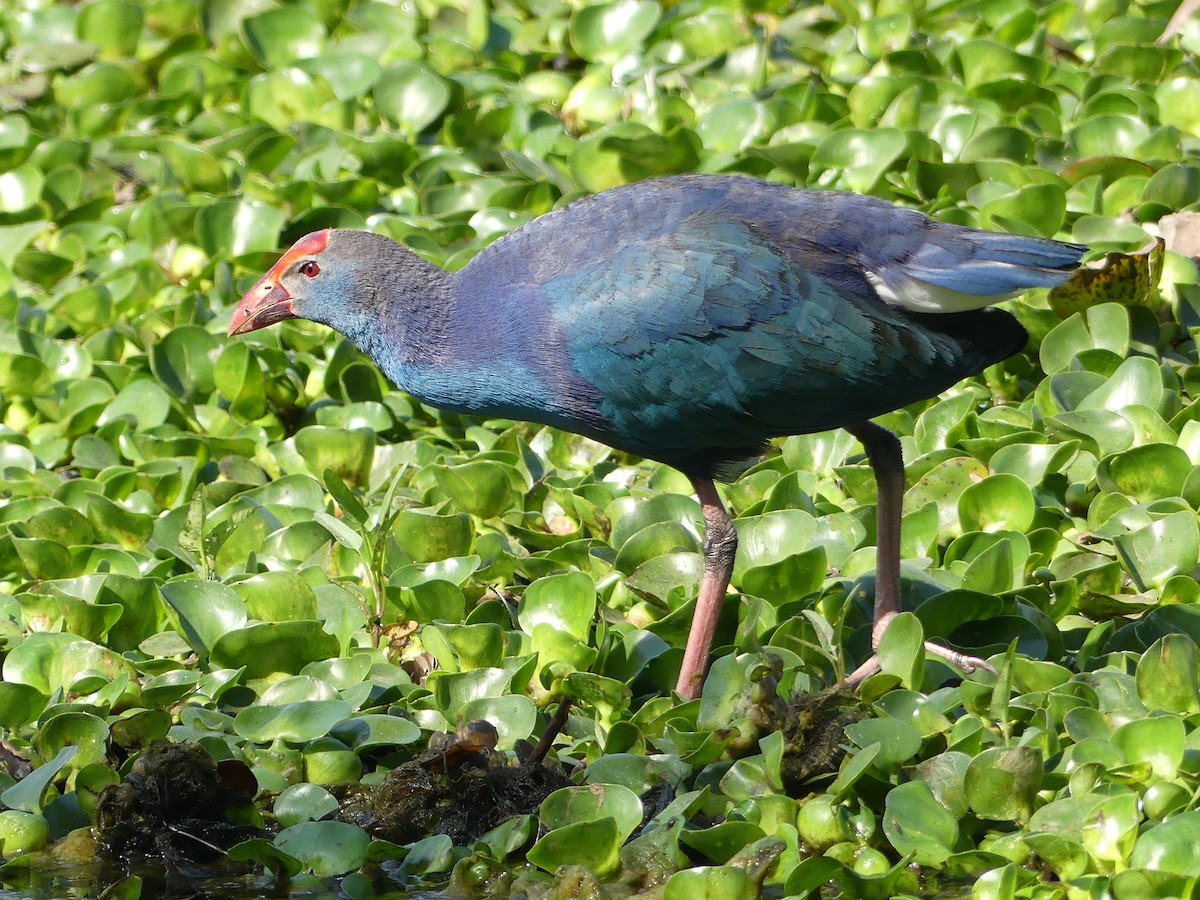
column 688, row 320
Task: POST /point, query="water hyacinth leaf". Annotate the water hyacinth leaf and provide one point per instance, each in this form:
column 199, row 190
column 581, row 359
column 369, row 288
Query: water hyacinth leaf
column 1163, row 548
column 142, row 401
column 299, row 722
column 767, row 539
column 374, row 732
column 1128, row 279
column 193, row 167
column 1166, row 675
column 1146, row 473
column 898, row 741
column 564, row 602
column 182, row 361
column 325, row 849
column 1038, row 208
column 114, row 26
column 589, row 803
column 1170, row 847
column 723, row 689
column 348, row 453
column 607, row 31
column 1111, row 829
column 943, row 485
column 303, row 803
column 1157, row 740
column 427, row 537
column 87, row 733
column 790, row 578
column 812, row 873
column 1002, row 783
column 469, row 646
column 411, row 96
column 1177, row 102
column 1137, row 382
column 349, row 74
column 481, row 488
column 915, row 822
column 553, row 645
column 509, row 836
column 453, row 691
column 999, row 502
column 901, row 650
column 731, row 126
column 670, row 574
column 432, row 600
column 856, row 160
column 717, row 882
column 605, row 694
column 203, row 611
column 20, row 704
column 277, row 37
column 274, row 648
column 26, row 795
column 724, row 840
column 43, row 559
column 238, row 227
column 514, row 717
column 630, row 518
column 88, row 620
column 595, row 844
column 1065, row 855
column 236, row 374
column 652, row 542
column 277, row 596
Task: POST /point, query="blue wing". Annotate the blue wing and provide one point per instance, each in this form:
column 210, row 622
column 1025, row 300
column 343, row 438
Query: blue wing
column 699, row 316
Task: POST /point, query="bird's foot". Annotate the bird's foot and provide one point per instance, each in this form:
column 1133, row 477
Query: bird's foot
column 961, row 661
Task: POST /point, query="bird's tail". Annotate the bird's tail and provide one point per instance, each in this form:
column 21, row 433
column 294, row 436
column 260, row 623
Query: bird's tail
column 991, row 264
column 955, row 269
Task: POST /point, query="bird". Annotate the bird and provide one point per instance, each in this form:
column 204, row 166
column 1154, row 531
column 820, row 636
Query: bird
column 688, row 320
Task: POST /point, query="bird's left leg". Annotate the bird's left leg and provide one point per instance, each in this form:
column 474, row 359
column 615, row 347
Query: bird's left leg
column 887, row 462
column 720, row 547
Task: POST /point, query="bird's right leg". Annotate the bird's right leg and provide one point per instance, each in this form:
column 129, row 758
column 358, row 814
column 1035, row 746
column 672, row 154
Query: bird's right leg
column 887, row 462
column 720, row 547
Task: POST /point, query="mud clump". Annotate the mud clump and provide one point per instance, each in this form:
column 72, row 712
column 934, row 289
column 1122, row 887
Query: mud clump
column 814, row 727
column 461, row 787
column 177, row 804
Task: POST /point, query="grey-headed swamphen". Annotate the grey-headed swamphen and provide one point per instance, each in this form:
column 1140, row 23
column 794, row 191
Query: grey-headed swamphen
column 687, row 320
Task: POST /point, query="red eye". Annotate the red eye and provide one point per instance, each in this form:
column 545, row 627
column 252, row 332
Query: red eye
column 310, row 269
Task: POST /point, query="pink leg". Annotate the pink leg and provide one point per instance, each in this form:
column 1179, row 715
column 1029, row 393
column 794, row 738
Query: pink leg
column 887, row 461
column 720, row 546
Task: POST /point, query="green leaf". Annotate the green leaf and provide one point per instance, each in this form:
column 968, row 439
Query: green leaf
column 411, row 97
column 325, row 848
column 915, row 822
column 27, row 793
column 854, row 159
column 608, row 31
column 901, row 650
column 270, row 649
column 1166, row 675
column 566, row 603
column 279, row 36
column 1001, row 783
column 716, row 882
column 203, row 611
column 591, row 803
column 594, row 844
column 1161, row 549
